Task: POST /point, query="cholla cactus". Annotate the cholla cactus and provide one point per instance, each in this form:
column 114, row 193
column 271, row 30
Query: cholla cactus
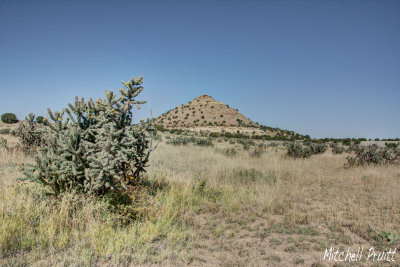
column 29, row 134
column 93, row 147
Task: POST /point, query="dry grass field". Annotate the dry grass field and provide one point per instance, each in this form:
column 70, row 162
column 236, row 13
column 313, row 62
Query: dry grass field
column 205, row 209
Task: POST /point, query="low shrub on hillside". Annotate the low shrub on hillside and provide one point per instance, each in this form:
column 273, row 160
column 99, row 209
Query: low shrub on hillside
column 204, row 142
column 9, row 118
column 273, row 144
column 181, row 140
column 246, row 144
column 214, row 134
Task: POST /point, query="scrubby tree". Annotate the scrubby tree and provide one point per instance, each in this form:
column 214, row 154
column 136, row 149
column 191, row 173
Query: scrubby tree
column 9, row 118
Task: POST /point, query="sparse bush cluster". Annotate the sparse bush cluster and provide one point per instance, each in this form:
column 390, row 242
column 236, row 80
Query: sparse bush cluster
column 391, row 145
column 180, row 140
column 183, row 140
column 230, row 152
column 93, row 147
column 297, row 150
column 367, row 155
column 246, row 144
column 204, row 142
column 337, row 149
column 257, row 151
column 273, row 144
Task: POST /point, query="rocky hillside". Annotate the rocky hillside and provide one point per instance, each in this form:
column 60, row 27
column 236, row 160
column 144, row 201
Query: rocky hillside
column 204, row 111
column 206, row 114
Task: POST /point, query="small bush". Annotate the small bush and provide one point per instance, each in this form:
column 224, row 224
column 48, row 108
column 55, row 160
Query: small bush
column 230, row 152
column 246, row 144
column 296, row 150
column 272, row 144
column 203, row 142
column 214, row 134
column 245, row 176
column 39, row 119
column 5, row 131
column 336, row 149
column 9, row 118
column 181, row 140
column 318, row 148
column 157, row 137
column 392, row 145
column 257, row 152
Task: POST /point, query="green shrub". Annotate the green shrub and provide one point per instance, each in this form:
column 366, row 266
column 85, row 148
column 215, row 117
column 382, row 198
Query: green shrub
column 5, row 131
column 214, row 134
column 246, row 144
column 9, row 118
column 297, row 150
column 373, row 155
column 318, row 148
column 336, row 149
column 96, row 148
column 39, row 119
column 392, row 145
column 203, row 142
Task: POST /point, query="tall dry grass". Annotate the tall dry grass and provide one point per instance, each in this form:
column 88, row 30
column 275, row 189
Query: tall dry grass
column 83, row 231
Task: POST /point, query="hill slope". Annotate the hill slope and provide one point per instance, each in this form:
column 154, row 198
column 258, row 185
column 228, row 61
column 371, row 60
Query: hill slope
column 204, row 111
column 206, row 114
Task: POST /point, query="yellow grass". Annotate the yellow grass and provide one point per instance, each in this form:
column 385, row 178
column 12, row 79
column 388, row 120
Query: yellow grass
column 216, row 210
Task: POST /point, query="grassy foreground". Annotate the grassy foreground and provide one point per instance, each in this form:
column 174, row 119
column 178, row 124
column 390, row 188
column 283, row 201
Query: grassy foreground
column 205, row 208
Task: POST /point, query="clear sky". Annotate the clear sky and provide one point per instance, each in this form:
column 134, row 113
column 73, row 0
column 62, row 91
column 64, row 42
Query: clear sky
column 324, row 68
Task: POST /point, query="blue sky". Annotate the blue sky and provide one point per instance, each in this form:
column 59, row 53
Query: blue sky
column 324, row 68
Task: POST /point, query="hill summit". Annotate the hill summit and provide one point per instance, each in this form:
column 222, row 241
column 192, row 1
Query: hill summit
column 205, row 114
column 204, row 111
